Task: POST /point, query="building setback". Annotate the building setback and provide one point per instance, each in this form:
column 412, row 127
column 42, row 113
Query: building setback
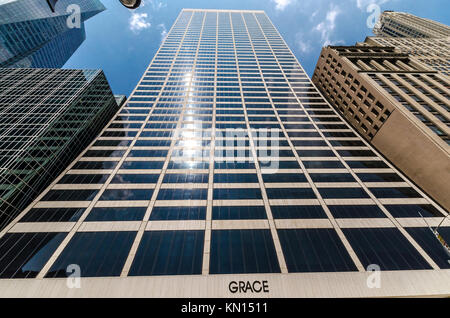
column 31, row 35
column 434, row 52
column 48, row 116
column 301, row 204
column 406, row 25
column 396, row 103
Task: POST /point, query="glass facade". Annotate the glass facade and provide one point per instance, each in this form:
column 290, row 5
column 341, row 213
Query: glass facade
column 31, row 35
column 48, row 116
column 227, row 160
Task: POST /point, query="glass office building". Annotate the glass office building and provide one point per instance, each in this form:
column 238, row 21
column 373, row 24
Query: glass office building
column 226, row 167
column 48, row 117
column 31, row 35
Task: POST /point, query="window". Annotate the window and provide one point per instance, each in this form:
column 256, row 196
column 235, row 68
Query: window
column 126, row 194
column 98, row 254
column 367, row 164
column 284, row 177
column 238, row 212
column 142, row 165
column 237, row 194
column 116, row 214
column 343, row 193
column 169, row 253
column 380, row 177
column 413, row 211
column 395, row 192
column 431, row 245
column 290, row 193
column 386, row 247
column 135, row 178
column 356, row 211
column 242, row 251
column 182, row 194
column 323, row 165
column 314, row 250
column 70, row 195
column 185, row 178
column 298, row 212
column 53, row 215
column 332, row 177
column 178, row 213
column 23, row 255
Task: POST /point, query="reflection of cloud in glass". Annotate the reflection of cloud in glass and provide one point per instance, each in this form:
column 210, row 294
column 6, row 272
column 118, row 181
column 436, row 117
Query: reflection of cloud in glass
column 39, row 259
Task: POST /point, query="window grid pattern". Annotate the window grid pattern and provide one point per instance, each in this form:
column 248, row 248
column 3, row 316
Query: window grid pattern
column 205, row 192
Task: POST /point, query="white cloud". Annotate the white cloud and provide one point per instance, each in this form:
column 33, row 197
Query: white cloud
column 138, row 22
column 156, row 5
column 163, row 28
column 327, row 26
column 303, row 44
column 363, row 4
column 282, row 4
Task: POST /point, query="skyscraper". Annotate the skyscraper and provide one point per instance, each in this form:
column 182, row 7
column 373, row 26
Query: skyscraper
column 401, row 24
column 226, row 173
column 434, row 52
column 31, row 35
column 398, row 104
column 48, row 116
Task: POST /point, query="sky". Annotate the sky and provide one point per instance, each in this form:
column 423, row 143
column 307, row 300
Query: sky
column 122, row 42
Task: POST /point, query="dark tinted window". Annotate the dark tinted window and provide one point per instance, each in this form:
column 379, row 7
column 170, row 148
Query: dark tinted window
column 314, row 250
column 366, row 164
column 187, row 165
column 284, row 177
column 70, row 195
column 23, row 255
column 413, row 211
column 380, row 177
column 235, row 178
column 237, row 194
column 182, row 194
column 298, row 212
column 52, row 215
column 315, row 153
column 185, row 178
column 290, row 193
column 234, row 165
column 148, row 153
column 428, row 241
column 343, row 193
column 323, row 164
column 135, row 178
column 356, row 153
column 178, row 213
column 395, row 193
column 386, row 247
column 332, row 177
column 142, row 165
column 97, row 253
column 169, row 253
column 116, row 214
column 95, row 165
column 238, row 212
column 127, row 195
column 242, row 251
column 356, row 211
column 83, row 178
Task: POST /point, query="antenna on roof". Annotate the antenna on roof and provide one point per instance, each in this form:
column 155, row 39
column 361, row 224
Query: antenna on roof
column 438, row 236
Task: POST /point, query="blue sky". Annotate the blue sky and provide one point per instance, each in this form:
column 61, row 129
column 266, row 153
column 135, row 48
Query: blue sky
column 123, row 42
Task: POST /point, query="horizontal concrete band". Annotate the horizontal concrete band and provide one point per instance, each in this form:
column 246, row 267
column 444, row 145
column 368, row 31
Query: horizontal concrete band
column 426, row 283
